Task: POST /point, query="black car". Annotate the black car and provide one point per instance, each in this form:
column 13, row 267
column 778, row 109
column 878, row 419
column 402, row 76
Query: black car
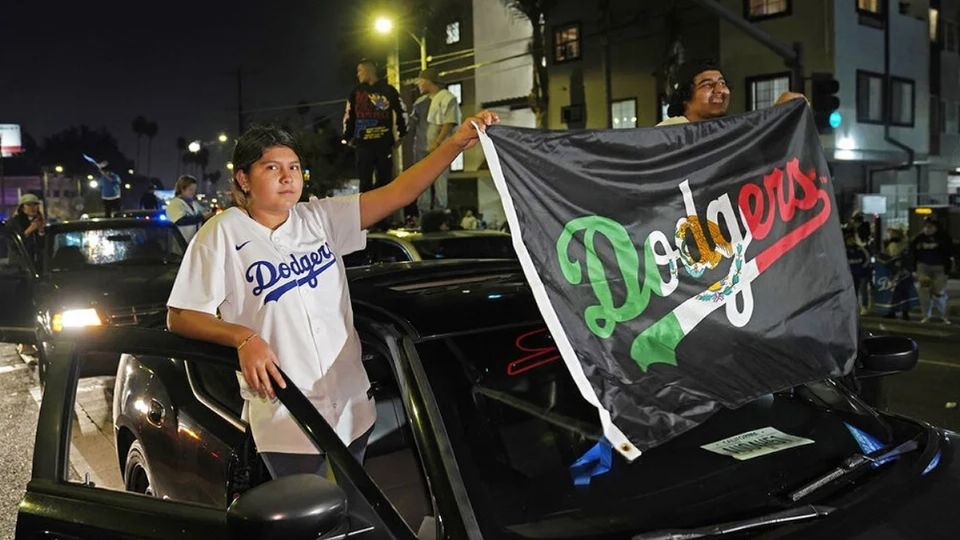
column 478, row 425
column 115, row 271
column 402, row 245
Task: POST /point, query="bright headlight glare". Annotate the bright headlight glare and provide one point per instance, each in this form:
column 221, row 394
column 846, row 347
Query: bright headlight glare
column 75, row 318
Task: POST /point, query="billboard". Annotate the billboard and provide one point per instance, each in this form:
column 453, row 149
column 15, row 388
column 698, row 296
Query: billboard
column 10, row 140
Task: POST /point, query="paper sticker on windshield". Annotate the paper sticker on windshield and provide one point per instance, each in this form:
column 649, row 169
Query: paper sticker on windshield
column 756, row 443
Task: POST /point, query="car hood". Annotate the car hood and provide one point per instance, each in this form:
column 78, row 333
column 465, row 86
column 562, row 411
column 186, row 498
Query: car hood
column 110, row 287
column 920, row 503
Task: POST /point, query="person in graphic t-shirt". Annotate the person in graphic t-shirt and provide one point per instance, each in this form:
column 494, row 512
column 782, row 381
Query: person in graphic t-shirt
column 228, row 291
column 368, row 125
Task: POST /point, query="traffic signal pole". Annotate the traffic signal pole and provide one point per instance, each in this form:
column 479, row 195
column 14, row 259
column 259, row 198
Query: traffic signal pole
column 792, row 56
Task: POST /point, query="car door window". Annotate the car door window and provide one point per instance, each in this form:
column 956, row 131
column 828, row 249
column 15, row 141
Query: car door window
column 391, row 459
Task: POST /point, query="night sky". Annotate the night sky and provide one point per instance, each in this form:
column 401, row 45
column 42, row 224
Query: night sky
column 103, row 63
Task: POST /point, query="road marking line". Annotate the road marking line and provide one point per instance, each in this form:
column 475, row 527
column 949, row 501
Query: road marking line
column 936, row 363
column 76, row 458
column 8, row 369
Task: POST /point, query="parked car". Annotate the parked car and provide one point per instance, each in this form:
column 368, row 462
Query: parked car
column 142, row 213
column 400, row 245
column 478, row 425
column 116, row 271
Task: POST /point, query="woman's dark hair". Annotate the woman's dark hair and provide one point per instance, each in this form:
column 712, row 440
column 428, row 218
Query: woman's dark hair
column 686, row 73
column 250, row 147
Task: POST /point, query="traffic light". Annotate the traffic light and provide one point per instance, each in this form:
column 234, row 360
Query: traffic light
column 825, row 102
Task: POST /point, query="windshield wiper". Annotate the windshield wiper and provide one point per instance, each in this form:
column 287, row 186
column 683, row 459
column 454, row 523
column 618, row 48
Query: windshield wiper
column 799, row 513
column 853, row 464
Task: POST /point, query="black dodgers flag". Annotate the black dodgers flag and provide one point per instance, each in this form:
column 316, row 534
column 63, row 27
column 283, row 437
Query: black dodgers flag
column 682, row 268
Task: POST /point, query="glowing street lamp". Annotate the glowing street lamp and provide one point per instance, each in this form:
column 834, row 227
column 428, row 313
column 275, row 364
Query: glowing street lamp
column 194, row 147
column 223, row 137
column 229, row 165
column 59, row 169
column 94, row 184
column 384, row 25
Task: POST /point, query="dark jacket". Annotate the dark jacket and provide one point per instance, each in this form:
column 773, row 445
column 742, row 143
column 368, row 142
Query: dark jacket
column 370, row 113
column 933, row 249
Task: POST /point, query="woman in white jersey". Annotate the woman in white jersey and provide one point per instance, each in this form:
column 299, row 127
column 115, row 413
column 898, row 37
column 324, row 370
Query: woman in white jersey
column 272, row 268
column 184, row 210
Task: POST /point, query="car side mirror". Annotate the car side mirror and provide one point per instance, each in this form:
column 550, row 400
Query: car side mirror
column 298, row 506
column 885, row 355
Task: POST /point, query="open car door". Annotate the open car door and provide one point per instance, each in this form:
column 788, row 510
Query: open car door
column 18, row 275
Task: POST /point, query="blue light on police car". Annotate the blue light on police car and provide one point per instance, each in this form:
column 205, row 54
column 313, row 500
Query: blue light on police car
column 835, row 119
column 162, row 217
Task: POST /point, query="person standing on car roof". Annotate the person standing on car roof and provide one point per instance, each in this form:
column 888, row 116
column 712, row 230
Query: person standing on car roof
column 184, row 210
column 271, row 268
column 109, row 184
column 368, row 125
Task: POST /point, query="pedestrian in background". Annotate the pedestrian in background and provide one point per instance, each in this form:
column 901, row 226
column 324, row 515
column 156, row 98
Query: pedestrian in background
column 443, row 117
column 184, row 210
column 149, row 200
column 860, row 268
column 371, row 110
column 28, row 223
column 109, row 184
column 933, row 252
column 893, row 276
column 309, row 332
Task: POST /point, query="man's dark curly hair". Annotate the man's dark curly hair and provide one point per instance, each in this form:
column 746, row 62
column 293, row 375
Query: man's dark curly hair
column 684, row 90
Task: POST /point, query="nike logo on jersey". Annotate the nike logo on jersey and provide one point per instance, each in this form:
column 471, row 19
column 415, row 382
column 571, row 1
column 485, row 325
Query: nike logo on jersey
column 240, row 246
column 275, row 279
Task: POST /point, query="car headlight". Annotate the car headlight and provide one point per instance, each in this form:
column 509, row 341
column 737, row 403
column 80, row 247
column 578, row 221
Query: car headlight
column 75, row 318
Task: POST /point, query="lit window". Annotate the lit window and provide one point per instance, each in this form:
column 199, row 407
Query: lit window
column 566, row 43
column 934, row 22
column 871, row 6
column 764, row 91
column 869, row 97
column 767, row 8
column 453, row 33
column 901, row 102
column 623, row 114
column 457, row 90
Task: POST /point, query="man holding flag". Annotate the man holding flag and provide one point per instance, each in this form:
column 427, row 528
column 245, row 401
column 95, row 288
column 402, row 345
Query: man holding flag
column 683, row 269
column 702, row 93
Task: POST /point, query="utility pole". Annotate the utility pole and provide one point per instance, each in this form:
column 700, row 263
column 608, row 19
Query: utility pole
column 792, row 56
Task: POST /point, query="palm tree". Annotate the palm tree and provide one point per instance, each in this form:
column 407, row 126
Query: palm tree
column 181, row 148
column 150, row 130
column 139, row 127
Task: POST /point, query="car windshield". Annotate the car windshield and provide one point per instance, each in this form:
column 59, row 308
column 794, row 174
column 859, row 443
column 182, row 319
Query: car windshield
column 465, row 247
column 517, row 423
column 133, row 245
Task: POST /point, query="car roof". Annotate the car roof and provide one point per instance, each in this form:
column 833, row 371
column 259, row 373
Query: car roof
column 411, row 234
column 435, row 298
column 104, row 223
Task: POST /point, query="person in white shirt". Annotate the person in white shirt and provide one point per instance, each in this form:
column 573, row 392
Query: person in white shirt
column 443, row 116
column 184, row 210
column 272, row 269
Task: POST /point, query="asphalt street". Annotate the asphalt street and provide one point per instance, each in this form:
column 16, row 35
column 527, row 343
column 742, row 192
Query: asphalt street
column 930, row 392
